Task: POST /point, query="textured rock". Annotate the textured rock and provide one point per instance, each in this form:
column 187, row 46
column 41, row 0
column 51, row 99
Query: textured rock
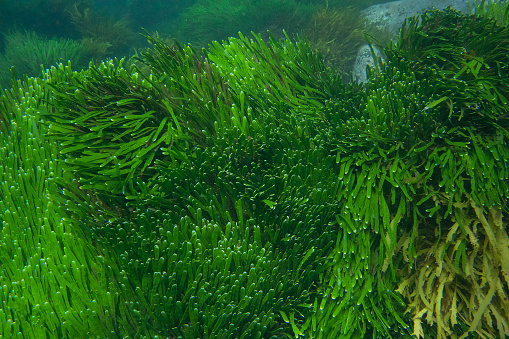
column 390, row 16
column 364, row 58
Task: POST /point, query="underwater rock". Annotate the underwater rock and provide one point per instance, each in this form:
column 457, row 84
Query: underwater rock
column 364, row 58
column 389, row 17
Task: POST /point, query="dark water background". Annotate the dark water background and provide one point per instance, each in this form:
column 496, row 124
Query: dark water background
column 100, row 29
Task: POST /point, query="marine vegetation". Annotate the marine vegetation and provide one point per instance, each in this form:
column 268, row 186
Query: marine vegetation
column 112, row 35
column 27, row 52
column 246, row 191
column 46, row 17
column 344, row 3
column 497, row 10
column 208, row 20
column 337, row 34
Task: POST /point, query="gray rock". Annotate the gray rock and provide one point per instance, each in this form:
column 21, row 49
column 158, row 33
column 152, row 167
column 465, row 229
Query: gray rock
column 390, row 16
column 363, row 59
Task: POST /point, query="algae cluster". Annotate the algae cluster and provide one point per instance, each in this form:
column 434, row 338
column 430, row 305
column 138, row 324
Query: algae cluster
column 245, row 191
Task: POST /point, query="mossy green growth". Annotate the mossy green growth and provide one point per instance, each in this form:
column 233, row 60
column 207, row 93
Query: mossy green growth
column 245, row 192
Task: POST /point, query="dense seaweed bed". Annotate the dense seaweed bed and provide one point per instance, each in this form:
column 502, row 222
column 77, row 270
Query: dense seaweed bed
column 245, row 191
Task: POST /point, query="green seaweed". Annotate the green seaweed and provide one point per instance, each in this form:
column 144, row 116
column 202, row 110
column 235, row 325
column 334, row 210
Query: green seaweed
column 244, row 191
